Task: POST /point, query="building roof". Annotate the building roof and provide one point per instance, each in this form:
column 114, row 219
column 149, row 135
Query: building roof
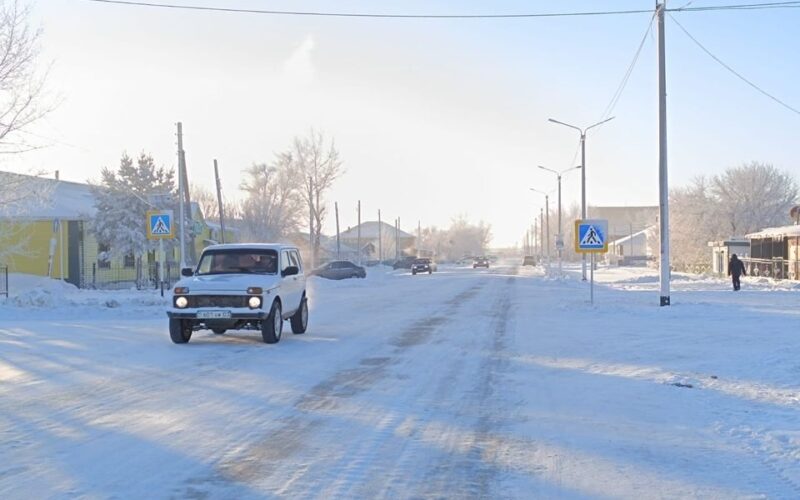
column 776, row 232
column 369, row 230
column 626, row 239
column 59, row 199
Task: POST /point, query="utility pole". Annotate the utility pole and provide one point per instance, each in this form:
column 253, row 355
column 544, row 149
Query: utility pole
column 547, row 210
column 419, row 238
column 188, row 201
column 397, row 238
column 219, row 201
column 535, row 231
column 380, row 239
column 662, row 160
column 338, row 247
column 182, row 214
column 311, row 221
column 541, row 230
column 359, row 232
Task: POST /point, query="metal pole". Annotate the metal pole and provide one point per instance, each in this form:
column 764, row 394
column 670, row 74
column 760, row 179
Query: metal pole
column 541, row 230
column 380, row 239
column 311, row 221
column 591, row 284
column 560, row 234
column 338, row 246
column 182, row 209
column 161, row 256
column 662, row 161
column 359, row 232
column 547, row 209
column 419, row 238
column 583, row 196
column 219, row 202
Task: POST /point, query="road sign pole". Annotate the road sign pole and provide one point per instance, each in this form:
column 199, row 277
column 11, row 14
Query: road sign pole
column 591, row 284
column 161, row 258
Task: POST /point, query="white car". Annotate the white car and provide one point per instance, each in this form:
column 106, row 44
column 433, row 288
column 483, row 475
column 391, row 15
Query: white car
column 241, row 287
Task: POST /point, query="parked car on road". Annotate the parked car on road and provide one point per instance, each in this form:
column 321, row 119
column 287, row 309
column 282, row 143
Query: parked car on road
column 241, row 287
column 529, row 260
column 423, row 266
column 339, row 270
column 480, row 262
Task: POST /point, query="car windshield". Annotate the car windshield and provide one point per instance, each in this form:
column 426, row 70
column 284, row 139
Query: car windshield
column 421, row 261
column 238, row 261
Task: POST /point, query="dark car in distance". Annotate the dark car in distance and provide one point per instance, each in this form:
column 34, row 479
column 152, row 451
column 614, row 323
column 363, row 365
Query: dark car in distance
column 339, row 270
column 480, row 262
column 404, row 263
column 529, row 260
column 423, row 266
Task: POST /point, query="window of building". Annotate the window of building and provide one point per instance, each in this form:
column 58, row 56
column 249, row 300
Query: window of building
column 129, row 260
column 103, row 256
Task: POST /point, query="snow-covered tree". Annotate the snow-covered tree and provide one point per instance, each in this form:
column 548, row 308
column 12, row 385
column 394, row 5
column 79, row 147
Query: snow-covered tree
column 18, row 195
column 273, row 207
column 22, row 100
column 122, row 200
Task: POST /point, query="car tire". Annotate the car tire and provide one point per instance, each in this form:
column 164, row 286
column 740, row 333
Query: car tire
column 219, row 331
column 180, row 331
column 299, row 319
column 430, row 272
column 272, row 326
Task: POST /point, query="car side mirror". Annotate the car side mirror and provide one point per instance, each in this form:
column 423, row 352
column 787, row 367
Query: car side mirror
column 291, row 271
column 188, row 272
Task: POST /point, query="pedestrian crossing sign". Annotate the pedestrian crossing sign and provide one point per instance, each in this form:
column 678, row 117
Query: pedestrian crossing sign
column 159, row 225
column 591, row 236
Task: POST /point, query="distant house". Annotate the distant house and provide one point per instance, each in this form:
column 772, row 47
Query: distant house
column 624, row 221
column 634, row 249
column 377, row 237
column 775, row 252
column 52, row 238
column 721, row 252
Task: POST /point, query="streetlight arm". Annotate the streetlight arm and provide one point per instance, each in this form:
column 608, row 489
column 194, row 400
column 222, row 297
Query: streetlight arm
column 548, row 169
column 566, row 125
column 599, row 123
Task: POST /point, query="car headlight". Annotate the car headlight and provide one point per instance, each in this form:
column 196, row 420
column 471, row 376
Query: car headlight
column 181, row 302
column 254, row 302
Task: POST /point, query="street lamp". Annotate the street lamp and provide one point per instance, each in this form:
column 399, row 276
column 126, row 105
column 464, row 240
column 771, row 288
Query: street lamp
column 560, row 237
column 583, row 172
column 547, row 211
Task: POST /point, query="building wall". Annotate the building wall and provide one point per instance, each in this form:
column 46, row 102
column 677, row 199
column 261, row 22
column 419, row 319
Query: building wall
column 34, row 238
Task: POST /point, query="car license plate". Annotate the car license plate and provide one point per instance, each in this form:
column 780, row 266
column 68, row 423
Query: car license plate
column 213, row 314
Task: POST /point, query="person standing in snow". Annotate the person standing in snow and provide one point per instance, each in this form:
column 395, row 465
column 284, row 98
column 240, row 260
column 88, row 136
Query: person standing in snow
column 735, row 270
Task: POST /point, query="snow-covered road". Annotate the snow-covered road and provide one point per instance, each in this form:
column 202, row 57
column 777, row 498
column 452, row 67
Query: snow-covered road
column 464, row 384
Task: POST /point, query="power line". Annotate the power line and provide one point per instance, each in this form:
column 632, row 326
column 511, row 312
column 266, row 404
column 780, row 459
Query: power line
column 736, row 73
column 621, row 88
column 136, row 3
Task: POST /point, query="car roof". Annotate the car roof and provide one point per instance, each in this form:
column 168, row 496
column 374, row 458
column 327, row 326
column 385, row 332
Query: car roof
column 251, row 246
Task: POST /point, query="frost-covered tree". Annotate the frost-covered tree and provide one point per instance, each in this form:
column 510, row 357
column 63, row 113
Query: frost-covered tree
column 22, row 100
column 18, row 195
column 122, row 200
column 739, row 201
column 753, row 196
column 273, row 206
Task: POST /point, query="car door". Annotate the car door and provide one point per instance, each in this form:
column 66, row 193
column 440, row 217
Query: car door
column 297, row 261
column 289, row 285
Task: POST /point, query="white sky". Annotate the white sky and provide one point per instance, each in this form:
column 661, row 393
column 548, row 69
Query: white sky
column 433, row 118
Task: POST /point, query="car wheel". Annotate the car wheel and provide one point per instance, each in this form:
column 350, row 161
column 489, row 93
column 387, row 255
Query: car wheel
column 272, row 326
column 413, row 273
column 430, row 272
column 180, row 331
column 299, row 320
column 219, row 331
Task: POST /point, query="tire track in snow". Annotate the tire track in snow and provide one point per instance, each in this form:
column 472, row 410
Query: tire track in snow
column 262, row 463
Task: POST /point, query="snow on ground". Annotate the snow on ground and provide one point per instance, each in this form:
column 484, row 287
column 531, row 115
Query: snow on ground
column 499, row 383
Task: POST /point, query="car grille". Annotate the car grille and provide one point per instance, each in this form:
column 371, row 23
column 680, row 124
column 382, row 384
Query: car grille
column 217, row 301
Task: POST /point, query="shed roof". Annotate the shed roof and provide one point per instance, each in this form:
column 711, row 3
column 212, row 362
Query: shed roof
column 776, row 232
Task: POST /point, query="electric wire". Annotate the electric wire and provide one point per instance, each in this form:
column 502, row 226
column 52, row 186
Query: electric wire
column 163, row 5
column 733, row 71
column 622, row 85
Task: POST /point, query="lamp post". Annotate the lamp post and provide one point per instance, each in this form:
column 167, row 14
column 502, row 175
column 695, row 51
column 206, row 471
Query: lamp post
column 547, row 222
column 583, row 173
column 560, row 237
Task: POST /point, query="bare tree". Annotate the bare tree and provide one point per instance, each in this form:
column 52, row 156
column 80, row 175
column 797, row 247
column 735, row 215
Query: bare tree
column 694, row 221
column 752, row 196
column 21, row 87
column 206, row 200
column 318, row 166
column 273, row 207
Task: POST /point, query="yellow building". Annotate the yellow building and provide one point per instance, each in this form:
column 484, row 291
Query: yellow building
column 51, row 237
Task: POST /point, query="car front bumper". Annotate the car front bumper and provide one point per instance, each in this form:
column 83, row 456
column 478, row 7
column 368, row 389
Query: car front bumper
column 236, row 314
